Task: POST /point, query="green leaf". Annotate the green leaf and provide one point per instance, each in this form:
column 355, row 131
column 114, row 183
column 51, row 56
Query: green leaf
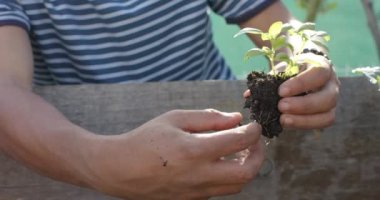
column 306, row 26
column 286, row 28
column 275, row 29
column 265, row 36
column 292, row 70
column 267, row 51
column 292, row 32
column 254, row 52
column 322, row 34
column 290, row 46
column 327, row 38
column 282, row 57
column 279, row 42
column 248, row 30
column 320, row 43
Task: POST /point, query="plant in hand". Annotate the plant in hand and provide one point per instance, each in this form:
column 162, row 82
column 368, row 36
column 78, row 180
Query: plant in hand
column 264, row 97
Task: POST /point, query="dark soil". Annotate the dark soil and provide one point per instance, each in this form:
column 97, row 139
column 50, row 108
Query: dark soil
column 264, row 100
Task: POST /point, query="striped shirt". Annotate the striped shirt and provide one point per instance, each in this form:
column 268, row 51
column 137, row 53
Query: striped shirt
column 120, row 41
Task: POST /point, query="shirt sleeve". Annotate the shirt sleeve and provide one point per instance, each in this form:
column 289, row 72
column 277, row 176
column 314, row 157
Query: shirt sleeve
column 239, row 11
column 12, row 13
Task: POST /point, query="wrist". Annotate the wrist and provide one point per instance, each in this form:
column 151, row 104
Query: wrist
column 81, row 158
column 89, row 148
column 98, row 161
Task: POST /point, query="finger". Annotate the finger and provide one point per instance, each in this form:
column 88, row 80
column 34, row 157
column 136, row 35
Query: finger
column 320, row 120
column 223, row 143
column 317, row 102
column 246, row 94
column 237, row 171
column 308, row 80
column 224, row 190
column 203, row 120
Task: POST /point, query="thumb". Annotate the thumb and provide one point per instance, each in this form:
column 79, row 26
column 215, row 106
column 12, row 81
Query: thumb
column 203, row 120
column 229, row 141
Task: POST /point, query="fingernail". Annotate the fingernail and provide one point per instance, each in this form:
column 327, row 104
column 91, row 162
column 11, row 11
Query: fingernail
column 231, row 114
column 284, row 91
column 284, row 106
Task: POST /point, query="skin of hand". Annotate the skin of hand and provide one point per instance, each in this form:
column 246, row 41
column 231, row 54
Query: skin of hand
column 317, row 108
column 178, row 155
column 175, row 156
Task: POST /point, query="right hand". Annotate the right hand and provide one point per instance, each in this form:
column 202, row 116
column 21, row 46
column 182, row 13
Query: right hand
column 175, row 156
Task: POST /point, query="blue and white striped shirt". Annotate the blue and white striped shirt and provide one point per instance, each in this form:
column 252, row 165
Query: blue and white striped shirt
column 119, row 41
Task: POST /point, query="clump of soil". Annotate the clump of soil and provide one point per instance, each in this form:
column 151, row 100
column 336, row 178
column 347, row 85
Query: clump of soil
column 263, row 101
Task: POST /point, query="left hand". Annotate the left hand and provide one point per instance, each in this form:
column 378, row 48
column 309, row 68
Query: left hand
column 317, row 108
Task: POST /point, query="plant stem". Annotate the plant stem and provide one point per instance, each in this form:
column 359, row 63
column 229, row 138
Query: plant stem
column 313, row 10
column 372, row 23
column 271, row 57
column 271, row 63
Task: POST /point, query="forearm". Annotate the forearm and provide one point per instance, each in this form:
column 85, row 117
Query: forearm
column 274, row 13
column 35, row 133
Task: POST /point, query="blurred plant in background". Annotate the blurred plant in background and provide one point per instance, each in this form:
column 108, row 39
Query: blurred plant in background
column 315, row 7
column 372, row 73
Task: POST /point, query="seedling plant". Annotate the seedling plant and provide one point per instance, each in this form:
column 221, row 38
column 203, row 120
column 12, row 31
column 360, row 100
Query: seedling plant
column 264, row 97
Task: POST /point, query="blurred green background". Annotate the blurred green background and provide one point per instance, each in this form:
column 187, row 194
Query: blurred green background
column 352, row 44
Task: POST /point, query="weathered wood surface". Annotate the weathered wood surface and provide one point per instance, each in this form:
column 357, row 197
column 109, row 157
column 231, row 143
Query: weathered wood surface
column 343, row 162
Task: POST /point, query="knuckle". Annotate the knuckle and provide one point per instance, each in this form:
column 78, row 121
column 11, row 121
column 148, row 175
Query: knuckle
column 213, row 112
column 331, row 118
column 330, row 102
column 334, row 100
column 337, row 91
column 334, row 93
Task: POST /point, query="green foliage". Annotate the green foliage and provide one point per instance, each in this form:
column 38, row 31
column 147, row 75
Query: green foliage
column 277, row 36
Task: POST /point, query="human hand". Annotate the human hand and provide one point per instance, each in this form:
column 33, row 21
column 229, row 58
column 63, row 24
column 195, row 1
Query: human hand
column 317, row 108
column 175, row 156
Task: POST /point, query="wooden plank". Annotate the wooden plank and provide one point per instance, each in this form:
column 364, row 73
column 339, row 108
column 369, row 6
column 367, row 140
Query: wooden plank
column 341, row 163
